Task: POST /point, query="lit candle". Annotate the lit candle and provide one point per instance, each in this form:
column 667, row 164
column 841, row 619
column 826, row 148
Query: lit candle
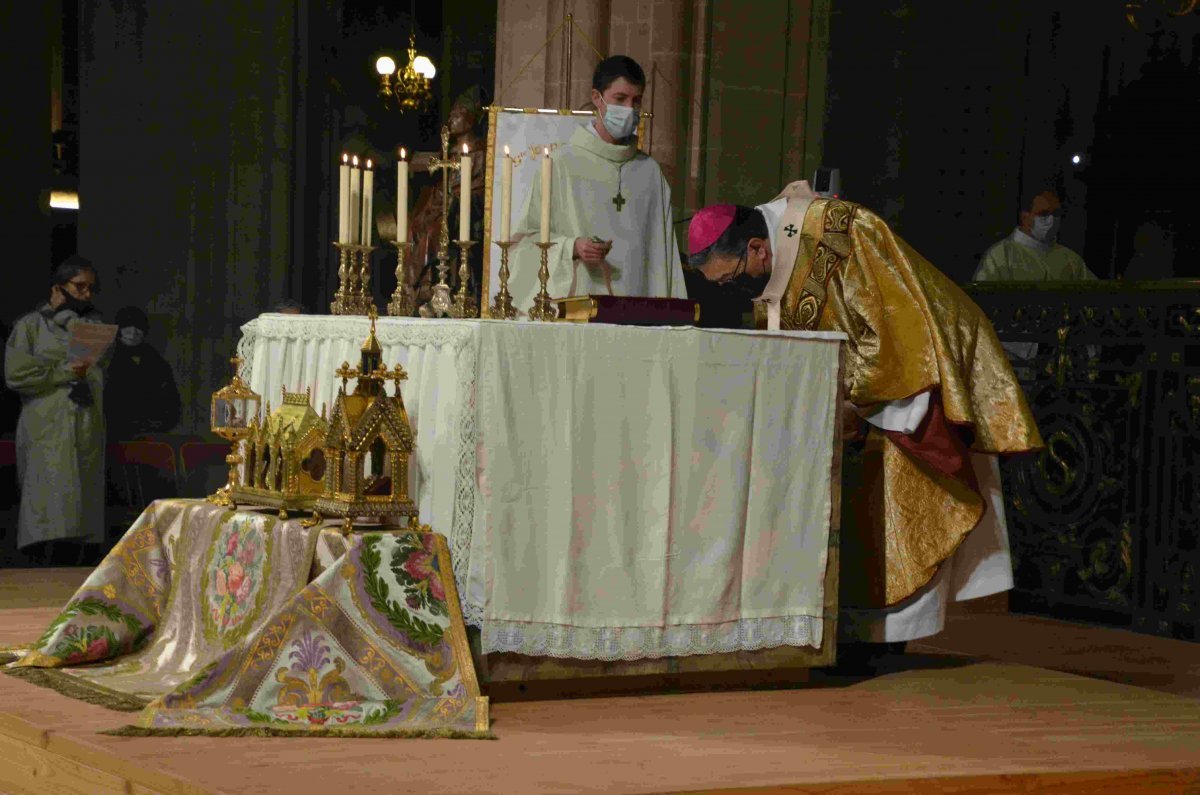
column 402, row 198
column 368, row 201
column 344, row 199
column 546, row 195
column 464, row 207
column 505, row 194
column 355, row 200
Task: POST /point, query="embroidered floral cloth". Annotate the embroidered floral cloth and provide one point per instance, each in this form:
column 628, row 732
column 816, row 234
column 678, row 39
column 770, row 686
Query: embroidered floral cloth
column 208, row 617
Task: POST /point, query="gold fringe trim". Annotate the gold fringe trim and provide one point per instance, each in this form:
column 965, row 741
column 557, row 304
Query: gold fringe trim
column 79, row 689
column 268, row 731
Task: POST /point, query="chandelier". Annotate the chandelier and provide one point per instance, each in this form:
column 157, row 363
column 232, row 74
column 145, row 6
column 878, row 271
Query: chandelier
column 1134, row 7
column 407, row 87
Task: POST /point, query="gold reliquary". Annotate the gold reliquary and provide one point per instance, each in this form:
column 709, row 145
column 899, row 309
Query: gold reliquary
column 368, row 445
column 284, row 457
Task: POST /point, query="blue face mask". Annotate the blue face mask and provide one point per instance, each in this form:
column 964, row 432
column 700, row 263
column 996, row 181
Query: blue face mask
column 620, row 121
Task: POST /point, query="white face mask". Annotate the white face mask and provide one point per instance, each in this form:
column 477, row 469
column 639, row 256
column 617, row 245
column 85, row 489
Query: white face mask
column 620, row 121
column 1045, row 229
column 132, row 336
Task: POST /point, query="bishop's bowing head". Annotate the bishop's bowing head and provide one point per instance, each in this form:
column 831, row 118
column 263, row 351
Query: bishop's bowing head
column 729, row 245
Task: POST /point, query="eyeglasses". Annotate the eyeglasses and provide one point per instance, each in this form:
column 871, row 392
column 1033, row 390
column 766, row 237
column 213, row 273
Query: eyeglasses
column 90, row 288
column 736, row 272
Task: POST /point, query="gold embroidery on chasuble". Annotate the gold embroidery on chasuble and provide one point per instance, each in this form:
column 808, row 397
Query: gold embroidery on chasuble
column 824, row 247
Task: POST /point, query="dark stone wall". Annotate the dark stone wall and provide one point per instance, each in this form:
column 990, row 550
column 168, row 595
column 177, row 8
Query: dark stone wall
column 941, row 114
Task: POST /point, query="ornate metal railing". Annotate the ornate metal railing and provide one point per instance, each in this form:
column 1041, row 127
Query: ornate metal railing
column 1105, row 523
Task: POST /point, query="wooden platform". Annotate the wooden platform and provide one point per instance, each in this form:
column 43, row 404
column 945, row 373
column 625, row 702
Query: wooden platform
column 942, row 721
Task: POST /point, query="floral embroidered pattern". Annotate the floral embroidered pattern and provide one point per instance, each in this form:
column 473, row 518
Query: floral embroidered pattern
column 415, row 564
column 85, row 644
column 72, row 642
column 418, row 594
column 234, row 580
column 314, row 688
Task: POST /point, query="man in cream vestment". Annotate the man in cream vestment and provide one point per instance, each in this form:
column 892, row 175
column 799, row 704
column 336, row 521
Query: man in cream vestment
column 925, row 525
column 610, row 207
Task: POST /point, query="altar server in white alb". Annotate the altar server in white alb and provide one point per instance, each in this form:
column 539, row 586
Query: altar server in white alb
column 610, row 208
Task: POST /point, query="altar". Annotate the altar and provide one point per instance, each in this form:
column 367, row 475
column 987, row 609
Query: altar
column 616, row 499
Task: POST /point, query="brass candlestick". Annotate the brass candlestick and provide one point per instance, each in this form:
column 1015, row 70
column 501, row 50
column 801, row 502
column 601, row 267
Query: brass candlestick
column 502, row 306
column 339, row 306
column 354, row 275
column 364, row 300
column 403, row 302
column 439, row 304
column 464, row 303
column 543, row 309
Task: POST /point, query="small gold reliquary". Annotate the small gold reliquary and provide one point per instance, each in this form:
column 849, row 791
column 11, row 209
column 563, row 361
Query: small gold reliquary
column 368, row 445
column 284, row 457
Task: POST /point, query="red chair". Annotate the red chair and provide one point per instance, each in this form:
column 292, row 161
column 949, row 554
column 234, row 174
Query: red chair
column 139, row 474
column 204, row 468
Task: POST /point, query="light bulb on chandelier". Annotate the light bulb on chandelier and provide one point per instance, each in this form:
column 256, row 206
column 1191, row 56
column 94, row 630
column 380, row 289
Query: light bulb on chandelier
column 385, row 66
column 408, row 86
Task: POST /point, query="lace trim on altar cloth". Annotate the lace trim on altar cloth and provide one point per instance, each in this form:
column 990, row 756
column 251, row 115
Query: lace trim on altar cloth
column 634, row 643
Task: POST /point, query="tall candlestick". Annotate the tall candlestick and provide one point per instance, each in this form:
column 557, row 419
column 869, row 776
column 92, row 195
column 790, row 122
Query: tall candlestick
column 464, row 206
column 344, row 199
column 368, row 203
column 505, row 195
column 402, row 197
column 546, row 195
column 355, row 200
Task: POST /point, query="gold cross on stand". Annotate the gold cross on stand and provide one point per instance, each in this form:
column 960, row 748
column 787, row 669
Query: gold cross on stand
column 346, row 372
column 439, row 303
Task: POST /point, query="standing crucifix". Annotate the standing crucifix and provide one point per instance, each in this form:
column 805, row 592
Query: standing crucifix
column 439, row 302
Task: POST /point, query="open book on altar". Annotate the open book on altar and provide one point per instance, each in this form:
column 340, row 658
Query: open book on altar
column 624, row 310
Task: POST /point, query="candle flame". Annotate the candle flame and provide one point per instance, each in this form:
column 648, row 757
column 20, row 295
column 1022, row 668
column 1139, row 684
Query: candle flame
column 354, row 161
column 546, row 151
column 506, row 150
column 403, row 154
column 345, row 157
column 368, row 164
column 464, row 149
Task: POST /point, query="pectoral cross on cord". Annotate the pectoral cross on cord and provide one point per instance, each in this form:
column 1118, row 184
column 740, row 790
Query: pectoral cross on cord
column 619, row 200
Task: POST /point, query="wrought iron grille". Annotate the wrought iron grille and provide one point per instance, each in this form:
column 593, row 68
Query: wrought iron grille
column 1105, row 523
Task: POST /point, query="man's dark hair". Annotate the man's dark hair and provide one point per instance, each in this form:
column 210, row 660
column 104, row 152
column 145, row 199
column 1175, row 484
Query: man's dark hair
column 289, row 304
column 132, row 316
column 615, row 66
column 1037, row 189
column 748, row 223
column 71, row 267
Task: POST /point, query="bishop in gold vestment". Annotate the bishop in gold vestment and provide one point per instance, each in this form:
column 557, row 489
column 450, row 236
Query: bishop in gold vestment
column 924, row 367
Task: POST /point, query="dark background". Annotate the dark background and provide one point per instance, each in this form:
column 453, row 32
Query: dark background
column 940, row 114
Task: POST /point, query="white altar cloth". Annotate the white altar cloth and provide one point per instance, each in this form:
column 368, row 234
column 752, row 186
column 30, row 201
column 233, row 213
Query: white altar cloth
column 610, row 492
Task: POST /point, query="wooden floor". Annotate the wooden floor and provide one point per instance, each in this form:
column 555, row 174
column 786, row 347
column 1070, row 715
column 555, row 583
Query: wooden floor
column 996, row 703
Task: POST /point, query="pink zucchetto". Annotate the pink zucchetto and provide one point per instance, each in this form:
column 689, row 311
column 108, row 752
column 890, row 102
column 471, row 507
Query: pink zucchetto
column 708, row 224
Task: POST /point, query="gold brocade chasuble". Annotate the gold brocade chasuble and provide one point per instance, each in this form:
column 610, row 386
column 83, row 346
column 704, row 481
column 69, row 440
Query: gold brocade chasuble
column 911, row 330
